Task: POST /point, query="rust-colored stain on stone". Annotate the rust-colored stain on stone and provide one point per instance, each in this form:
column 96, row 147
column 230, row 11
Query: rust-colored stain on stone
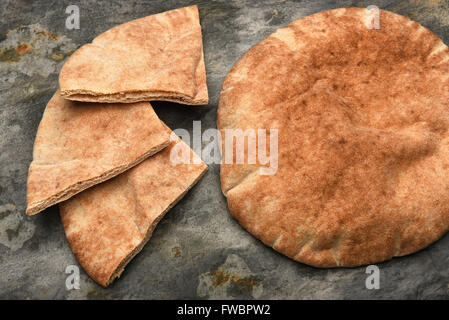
column 14, row 54
column 48, row 34
column 221, row 277
column 57, row 56
column 245, row 283
column 9, row 55
column 176, row 252
column 23, row 48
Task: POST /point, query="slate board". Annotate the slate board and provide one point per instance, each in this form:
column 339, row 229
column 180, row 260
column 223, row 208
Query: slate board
column 198, row 251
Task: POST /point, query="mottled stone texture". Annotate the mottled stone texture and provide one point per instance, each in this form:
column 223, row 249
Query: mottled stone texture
column 198, row 251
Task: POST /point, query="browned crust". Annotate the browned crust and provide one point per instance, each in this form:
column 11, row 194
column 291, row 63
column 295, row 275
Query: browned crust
column 130, row 97
column 107, row 225
column 167, row 62
column 363, row 119
column 79, row 145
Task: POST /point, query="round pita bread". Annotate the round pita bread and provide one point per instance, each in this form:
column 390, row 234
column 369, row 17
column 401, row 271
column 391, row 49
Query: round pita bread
column 363, row 156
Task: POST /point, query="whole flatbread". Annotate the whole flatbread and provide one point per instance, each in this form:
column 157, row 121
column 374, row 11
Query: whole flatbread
column 80, row 144
column 362, row 117
column 107, row 225
column 159, row 57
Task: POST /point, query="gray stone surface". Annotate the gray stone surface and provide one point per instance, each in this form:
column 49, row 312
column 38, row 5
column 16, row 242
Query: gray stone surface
column 198, row 251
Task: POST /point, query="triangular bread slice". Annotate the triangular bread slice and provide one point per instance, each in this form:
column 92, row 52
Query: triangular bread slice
column 81, row 144
column 107, row 225
column 158, row 57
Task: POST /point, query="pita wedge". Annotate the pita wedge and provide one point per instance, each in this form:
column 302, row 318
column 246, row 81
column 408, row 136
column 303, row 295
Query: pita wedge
column 159, row 57
column 107, row 225
column 363, row 138
column 79, row 145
